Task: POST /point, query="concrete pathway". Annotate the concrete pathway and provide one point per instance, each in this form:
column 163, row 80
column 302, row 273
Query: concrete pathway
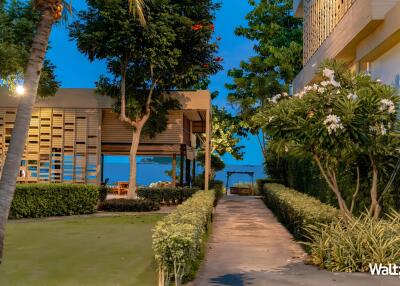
column 248, row 246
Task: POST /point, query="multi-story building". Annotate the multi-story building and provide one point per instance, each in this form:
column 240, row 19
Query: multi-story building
column 71, row 132
column 364, row 33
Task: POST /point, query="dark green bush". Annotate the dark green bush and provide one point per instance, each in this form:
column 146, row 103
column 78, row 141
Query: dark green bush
column 297, row 210
column 169, row 196
column 44, row 200
column 103, row 192
column 125, row 205
column 261, row 182
column 218, row 187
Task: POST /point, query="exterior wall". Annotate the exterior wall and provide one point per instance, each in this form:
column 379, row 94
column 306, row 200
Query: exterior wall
column 62, row 146
column 357, row 31
column 114, row 131
column 387, row 67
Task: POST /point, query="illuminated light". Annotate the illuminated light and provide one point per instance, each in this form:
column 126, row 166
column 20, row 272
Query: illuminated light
column 20, row 90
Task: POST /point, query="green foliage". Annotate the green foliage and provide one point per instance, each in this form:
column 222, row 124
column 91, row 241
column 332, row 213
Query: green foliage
column 278, row 45
column 296, row 210
column 44, row 200
column 104, row 190
column 226, row 132
column 18, row 22
column 125, row 205
column 343, row 122
column 178, row 238
column 217, row 164
column 159, row 56
column 169, row 196
column 218, row 187
column 261, row 183
column 352, row 246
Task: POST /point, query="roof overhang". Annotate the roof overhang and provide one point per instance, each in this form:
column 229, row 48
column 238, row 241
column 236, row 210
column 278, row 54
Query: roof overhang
column 298, row 8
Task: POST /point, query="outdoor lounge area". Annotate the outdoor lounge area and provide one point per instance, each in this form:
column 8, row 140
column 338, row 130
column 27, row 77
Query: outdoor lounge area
column 71, row 132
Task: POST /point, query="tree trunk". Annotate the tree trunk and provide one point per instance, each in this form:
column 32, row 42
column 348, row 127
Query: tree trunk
column 375, row 207
column 23, row 119
column 133, row 167
column 330, row 177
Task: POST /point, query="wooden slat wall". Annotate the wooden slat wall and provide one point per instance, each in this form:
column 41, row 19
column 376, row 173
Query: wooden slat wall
column 320, row 18
column 63, row 145
column 115, row 131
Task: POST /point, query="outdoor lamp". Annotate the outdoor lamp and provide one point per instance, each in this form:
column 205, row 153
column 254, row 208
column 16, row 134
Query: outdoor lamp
column 20, row 90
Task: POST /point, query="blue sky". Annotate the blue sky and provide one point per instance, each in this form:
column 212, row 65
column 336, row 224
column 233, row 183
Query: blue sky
column 74, row 69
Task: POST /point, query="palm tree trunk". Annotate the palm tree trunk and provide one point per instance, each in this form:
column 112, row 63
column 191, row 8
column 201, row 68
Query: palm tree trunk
column 22, row 120
column 375, row 206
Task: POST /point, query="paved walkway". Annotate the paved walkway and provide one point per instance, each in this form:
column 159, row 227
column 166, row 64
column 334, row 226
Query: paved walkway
column 248, row 246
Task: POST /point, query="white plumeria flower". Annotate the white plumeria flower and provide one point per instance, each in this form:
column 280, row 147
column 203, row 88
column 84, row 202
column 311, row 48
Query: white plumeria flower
column 286, row 149
column 333, row 123
column 328, row 73
column 321, row 89
column 325, row 83
column 315, row 87
column 285, row 94
column 270, row 119
column 387, row 105
column 352, row 96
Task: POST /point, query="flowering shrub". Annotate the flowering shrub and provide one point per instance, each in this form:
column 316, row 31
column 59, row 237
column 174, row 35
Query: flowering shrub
column 167, row 195
column 177, row 239
column 342, row 119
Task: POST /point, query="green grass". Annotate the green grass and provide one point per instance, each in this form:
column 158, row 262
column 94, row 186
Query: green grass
column 80, row 251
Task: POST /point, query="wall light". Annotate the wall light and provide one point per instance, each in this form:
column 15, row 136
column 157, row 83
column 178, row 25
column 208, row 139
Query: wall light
column 20, row 90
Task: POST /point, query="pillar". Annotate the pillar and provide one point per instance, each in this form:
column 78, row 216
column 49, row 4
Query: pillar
column 182, row 165
column 187, row 172
column 174, row 170
column 207, row 151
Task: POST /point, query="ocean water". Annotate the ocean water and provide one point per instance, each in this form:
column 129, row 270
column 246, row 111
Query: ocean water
column 149, row 173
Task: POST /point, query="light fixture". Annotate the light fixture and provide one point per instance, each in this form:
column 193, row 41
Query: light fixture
column 20, row 90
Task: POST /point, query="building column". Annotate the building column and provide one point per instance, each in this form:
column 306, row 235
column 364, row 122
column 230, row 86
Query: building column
column 174, row 170
column 207, row 151
column 187, row 172
column 182, row 165
column 193, row 170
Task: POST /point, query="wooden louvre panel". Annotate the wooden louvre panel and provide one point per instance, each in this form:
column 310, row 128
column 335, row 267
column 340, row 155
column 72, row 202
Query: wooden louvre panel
column 115, row 131
column 320, row 19
column 62, row 145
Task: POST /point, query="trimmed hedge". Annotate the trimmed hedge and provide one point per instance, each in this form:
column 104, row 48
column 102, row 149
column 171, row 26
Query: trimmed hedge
column 179, row 237
column 261, row 183
column 169, row 196
column 44, row 200
column 297, row 210
column 125, row 205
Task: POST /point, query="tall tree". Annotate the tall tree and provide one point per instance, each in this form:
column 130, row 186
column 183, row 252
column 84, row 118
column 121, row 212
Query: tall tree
column 278, row 46
column 172, row 51
column 48, row 12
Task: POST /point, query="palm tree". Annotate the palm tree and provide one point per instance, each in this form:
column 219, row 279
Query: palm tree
column 50, row 12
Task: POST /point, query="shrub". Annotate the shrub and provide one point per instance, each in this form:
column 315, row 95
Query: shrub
column 261, row 182
column 218, row 186
column 351, row 246
column 44, row 200
column 103, row 192
column 169, row 196
column 297, row 210
column 178, row 238
column 126, row 205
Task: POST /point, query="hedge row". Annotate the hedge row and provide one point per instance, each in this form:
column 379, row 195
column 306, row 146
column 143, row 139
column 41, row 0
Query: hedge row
column 178, row 238
column 44, row 200
column 297, row 210
column 262, row 182
column 125, row 205
column 169, row 196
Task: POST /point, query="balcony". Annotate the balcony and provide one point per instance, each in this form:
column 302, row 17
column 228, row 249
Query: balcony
column 336, row 28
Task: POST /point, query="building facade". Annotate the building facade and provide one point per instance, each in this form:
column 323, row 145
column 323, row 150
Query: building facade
column 71, row 132
column 364, row 33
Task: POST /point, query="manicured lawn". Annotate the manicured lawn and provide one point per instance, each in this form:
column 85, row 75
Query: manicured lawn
column 80, row 251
